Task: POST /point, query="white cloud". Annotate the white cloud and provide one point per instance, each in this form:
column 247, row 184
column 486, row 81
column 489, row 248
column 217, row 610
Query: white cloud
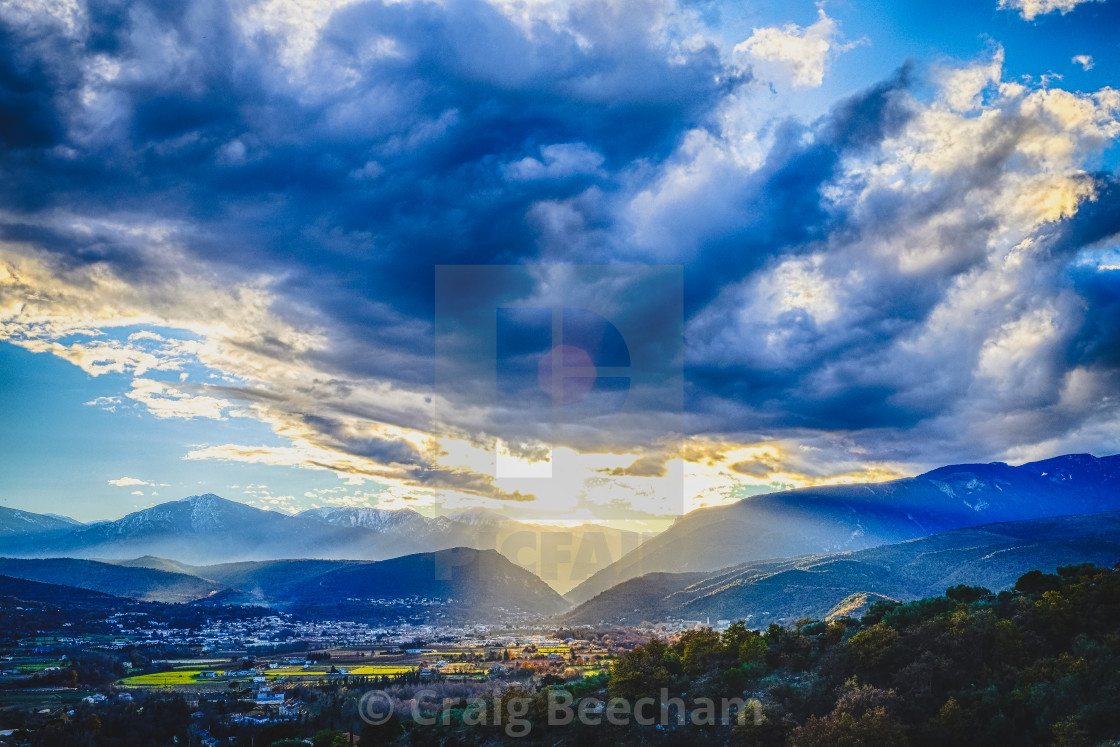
column 556, row 162
column 127, row 482
column 167, row 401
column 1030, row 9
column 962, row 88
column 295, row 26
column 109, row 404
column 802, row 52
column 1084, row 60
column 68, row 14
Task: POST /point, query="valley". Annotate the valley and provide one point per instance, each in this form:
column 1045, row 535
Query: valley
column 275, row 646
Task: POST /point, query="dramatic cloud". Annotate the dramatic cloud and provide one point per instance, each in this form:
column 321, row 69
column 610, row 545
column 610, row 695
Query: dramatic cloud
column 939, row 303
column 233, row 213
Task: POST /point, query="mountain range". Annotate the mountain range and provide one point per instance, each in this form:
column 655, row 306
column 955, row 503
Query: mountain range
column 466, row 585
column 73, row 597
column 14, row 522
column 207, row 529
column 461, row 583
column 773, row 557
column 146, row 584
column 826, row 586
column 853, row 517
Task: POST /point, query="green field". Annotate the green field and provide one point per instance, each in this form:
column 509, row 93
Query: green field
column 297, row 672
column 41, row 698
column 591, row 671
column 380, row 670
column 198, row 662
column 39, row 666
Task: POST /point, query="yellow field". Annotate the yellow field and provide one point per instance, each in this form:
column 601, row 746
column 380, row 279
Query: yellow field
column 163, row 679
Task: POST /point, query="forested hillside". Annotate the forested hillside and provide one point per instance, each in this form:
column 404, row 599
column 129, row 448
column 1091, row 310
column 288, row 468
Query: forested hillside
column 1037, row 665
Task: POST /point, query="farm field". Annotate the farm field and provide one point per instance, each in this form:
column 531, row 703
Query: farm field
column 198, row 663
column 319, row 670
column 38, row 666
column 189, row 674
column 590, row 670
column 163, row 679
column 323, row 670
column 52, row 697
column 381, row 670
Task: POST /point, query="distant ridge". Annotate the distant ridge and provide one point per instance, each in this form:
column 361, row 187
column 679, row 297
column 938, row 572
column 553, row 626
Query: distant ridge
column 207, row 529
column 36, row 591
column 145, row 584
column 824, row 586
column 483, row 583
column 199, row 529
column 852, row 517
column 14, row 522
column 463, row 584
column 159, row 564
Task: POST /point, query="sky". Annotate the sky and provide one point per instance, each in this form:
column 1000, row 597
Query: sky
column 570, row 260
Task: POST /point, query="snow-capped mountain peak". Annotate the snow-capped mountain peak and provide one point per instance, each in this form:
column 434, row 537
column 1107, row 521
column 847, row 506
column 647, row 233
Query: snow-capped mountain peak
column 377, row 519
column 15, row 522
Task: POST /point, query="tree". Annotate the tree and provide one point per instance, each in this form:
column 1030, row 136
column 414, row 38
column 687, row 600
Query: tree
column 870, row 646
column 734, row 636
column 874, row 727
column 1068, row 734
column 752, row 649
column 277, row 734
column 329, row 738
column 699, row 649
column 640, row 672
column 861, row 717
column 966, row 594
column 382, row 733
column 1036, row 582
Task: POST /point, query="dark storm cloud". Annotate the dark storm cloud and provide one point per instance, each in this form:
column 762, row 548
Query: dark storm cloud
column 28, row 118
column 794, row 218
column 929, row 322
column 352, row 193
column 386, row 451
column 1098, row 219
column 1097, row 224
column 1097, row 342
column 410, row 135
